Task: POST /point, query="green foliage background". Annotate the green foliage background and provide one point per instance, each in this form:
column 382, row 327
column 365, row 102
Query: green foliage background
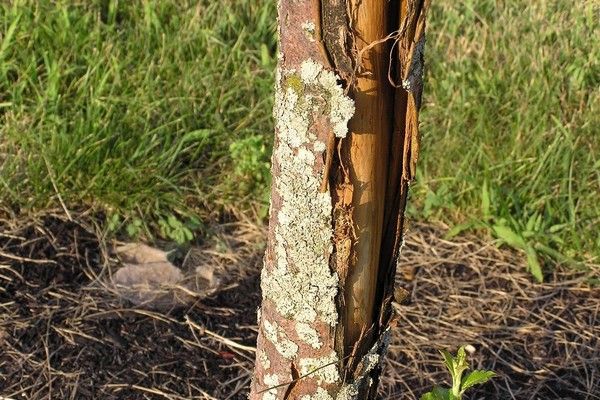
column 158, row 113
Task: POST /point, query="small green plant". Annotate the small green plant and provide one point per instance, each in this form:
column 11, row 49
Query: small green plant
column 176, row 230
column 457, row 366
column 251, row 170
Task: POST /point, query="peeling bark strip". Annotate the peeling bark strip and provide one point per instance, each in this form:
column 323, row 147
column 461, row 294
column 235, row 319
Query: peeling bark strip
column 345, row 148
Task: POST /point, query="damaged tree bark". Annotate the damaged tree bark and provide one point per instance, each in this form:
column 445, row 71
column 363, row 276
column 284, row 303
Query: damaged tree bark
column 348, row 92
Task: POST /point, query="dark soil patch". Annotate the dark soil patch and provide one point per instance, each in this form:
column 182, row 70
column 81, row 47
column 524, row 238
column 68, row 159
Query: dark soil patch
column 63, row 335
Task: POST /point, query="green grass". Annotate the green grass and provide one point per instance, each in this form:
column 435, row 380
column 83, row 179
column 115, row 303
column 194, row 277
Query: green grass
column 132, row 107
column 512, row 124
column 158, row 111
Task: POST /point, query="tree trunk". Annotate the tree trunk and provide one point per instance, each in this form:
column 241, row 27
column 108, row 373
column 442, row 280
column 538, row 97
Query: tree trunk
column 347, row 96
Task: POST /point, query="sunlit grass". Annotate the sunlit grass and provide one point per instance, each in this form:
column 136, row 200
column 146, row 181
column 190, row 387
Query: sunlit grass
column 132, row 107
column 157, row 111
column 512, row 123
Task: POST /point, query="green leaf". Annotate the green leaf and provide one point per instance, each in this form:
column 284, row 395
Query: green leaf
column 197, row 135
column 510, row 237
column 527, row 234
column 438, row 393
column 557, row 227
column 461, row 357
column 533, row 265
column 555, row 239
column 174, row 222
column 476, row 377
column 593, row 281
column 132, row 229
column 195, row 223
column 9, row 35
column 549, row 251
column 538, row 222
column 457, row 365
column 188, row 234
column 485, row 200
column 530, row 223
column 448, row 360
column 114, row 223
column 458, row 229
column 265, row 57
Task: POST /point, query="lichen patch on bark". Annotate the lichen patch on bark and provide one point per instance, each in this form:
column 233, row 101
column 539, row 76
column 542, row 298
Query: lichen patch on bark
column 309, row 335
column 271, row 380
column 300, row 283
column 264, row 359
column 276, row 335
column 341, row 107
column 320, row 394
column 309, row 29
column 324, row 369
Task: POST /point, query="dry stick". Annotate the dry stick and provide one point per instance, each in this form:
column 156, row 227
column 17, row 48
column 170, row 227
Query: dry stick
column 51, row 175
column 10, row 270
column 25, row 259
column 225, row 341
column 47, row 352
column 243, row 387
column 150, row 390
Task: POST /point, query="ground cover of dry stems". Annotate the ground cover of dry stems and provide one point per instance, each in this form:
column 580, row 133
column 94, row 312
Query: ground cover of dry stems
column 65, row 334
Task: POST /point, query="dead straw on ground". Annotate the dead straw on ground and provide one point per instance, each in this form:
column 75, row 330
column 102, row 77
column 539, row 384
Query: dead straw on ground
column 541, row 338
column 64, row 333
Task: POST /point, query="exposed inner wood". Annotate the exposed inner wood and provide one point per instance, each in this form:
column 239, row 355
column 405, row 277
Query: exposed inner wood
column 366, row 152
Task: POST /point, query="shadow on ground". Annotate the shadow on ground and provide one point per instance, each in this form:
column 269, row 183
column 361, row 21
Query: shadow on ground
column 65, row 335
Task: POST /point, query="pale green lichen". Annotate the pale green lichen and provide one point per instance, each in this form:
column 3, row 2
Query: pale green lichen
column 324, row 369
column 309, row 335
column 301, row 284
column 309, row 29
column 320, row 147
column 264, row 359
column 310, row 70
column 340, row 106
column 295, row 82
column 294, row 119
column 276, row 335
column 271, row 380
column 320, row 394
column 348, row 392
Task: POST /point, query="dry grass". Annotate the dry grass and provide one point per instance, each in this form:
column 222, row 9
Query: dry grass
column 542, row 339
column 64, row 335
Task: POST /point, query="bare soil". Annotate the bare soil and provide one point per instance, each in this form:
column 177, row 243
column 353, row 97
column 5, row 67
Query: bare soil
column 65, row 335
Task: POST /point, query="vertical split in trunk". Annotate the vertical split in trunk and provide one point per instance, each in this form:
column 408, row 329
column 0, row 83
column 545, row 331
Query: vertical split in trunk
column 345, row 146
column 365, row 153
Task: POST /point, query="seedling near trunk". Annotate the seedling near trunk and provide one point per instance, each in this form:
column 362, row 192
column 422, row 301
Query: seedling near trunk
column 457, row 366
